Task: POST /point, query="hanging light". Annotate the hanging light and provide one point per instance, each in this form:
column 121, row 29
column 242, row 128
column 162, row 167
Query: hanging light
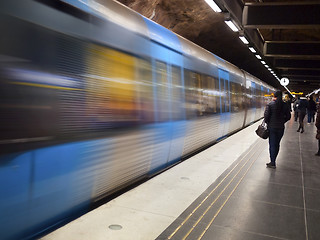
column 231, row 25
column 213, row 5
column 243, row 39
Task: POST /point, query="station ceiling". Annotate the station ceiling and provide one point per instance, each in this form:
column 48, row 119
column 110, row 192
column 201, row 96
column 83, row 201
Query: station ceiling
column 286, row 34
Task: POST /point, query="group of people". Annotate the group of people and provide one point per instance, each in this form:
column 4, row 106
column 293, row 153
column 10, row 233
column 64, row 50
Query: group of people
column 278, row 112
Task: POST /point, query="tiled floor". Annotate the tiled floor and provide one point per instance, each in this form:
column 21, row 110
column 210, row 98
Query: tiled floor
column 225, row 192
column 281, row 203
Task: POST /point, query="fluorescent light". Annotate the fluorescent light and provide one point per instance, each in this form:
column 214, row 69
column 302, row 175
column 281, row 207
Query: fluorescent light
column 244, row 40
column 263, row 62
column 258, row 56
column 232, row 25
column 252, row 49
column 267, row 66
column 213, row 5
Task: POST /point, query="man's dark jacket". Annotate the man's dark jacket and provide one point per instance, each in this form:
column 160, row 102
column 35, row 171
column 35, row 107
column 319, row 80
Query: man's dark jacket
column 312, row 106
column 302, row 105
column 274, row 117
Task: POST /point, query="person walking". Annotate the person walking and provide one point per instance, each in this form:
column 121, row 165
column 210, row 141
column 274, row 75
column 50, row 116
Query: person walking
column 318, row 130
column 287, row 100
column 276, row 114
column 295, row 109
column 302, row 110
column 311, row 109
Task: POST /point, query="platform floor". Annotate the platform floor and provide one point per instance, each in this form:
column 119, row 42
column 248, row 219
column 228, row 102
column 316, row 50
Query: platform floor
column 224, row 192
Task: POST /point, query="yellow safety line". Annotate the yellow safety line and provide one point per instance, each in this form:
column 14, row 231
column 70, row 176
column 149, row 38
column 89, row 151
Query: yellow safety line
column 177, row 229
column 224, row 203
column 44, row 86
column 208, row 208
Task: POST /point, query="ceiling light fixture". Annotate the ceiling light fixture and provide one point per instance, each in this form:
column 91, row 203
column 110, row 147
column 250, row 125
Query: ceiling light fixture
column 263, row 62
column 243, row 39
column 213, row 5
column 252, row 49
column 231, row 25
column 258, row 56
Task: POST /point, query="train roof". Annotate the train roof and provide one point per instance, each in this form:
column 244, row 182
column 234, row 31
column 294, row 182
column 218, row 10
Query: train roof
column 123, row 16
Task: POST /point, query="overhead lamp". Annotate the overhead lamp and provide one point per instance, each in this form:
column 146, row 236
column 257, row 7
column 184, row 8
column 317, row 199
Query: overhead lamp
column 267, row 66
column 231, row 25
column 258, row 56
column 263, row 62
column 213, row 5
column 252, row 49
column 243, row 39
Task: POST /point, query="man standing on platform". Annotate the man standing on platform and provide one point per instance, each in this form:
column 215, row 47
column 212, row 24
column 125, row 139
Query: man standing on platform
column 302, row 110
column 311, row 109
column 277, row 113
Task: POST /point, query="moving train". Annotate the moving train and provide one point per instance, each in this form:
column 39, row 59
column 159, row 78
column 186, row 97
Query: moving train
column 95, row 97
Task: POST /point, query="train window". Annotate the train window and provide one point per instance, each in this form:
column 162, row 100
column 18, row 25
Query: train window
column 217, row 95
column 209, row 94
column 258, row 97
column 240, row 97
column 163, row 97
column 202, row 94
column 223, row 95
column 214, row 96
column 227, row 95
column 111, row 92
column 248, row 97
column 28, row 113
column 177, row 108
column 253, row 95
column 204, row 100
column 236, row 97
column 145, row 90
column 192, row 94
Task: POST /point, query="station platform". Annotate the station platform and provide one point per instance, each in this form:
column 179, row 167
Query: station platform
column 224, row 192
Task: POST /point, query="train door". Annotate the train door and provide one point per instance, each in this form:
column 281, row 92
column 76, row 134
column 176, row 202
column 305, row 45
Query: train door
column 224, row 102
column 167, row 91
column 177, row 128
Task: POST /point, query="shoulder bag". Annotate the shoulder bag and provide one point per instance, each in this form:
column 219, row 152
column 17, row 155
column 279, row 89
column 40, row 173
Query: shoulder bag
column 262, row 130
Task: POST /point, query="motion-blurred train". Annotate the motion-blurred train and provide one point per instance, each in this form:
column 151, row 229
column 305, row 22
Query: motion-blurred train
column 95, row 97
